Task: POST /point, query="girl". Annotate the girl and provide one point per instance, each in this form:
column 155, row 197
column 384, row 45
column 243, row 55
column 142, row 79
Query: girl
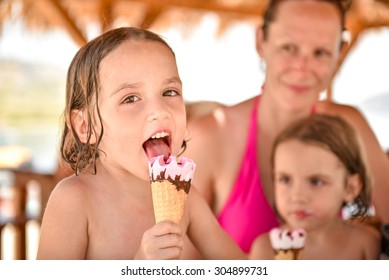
column 123, row 89
column 318, row 170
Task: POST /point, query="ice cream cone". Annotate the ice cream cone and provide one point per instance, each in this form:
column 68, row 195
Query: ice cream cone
column 168, row 201
column 287, row 244
column 170, row 185
column 291, row 254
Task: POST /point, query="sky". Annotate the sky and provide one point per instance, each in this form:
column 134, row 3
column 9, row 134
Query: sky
column 227, row 69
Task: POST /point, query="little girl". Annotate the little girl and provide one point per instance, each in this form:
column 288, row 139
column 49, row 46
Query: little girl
column 318, row 170
column 124, row 105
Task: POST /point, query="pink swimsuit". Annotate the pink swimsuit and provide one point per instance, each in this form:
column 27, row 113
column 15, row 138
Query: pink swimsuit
column 247, row 212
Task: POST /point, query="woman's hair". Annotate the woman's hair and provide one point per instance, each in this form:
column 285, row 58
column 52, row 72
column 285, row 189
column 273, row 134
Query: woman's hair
column 82, row 93
column 270, row 13
column 337, row 136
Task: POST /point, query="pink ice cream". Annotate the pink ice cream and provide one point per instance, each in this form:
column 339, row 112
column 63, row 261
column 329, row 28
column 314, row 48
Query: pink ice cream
column 171, row 169
column 287, row 244
column 170, row 185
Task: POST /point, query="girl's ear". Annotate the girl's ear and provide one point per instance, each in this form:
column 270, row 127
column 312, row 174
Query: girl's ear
column 353, row 187
column 80, row 123
column 259, row 41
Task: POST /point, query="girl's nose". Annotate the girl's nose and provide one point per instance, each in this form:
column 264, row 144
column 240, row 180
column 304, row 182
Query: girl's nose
column 158, row 112
column 299, row 194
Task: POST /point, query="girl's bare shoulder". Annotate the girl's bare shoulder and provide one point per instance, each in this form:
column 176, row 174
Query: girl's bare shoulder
column 361, row 229
column 368, row 236
column 71, row 190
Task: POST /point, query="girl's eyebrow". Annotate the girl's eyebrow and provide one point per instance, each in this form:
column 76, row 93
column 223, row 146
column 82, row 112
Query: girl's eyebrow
column 125, row 86
column 319, row 175
column 173, row 80
column 137, row 85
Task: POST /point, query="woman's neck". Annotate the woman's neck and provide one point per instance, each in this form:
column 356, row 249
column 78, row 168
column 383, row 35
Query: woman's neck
column 272, row 116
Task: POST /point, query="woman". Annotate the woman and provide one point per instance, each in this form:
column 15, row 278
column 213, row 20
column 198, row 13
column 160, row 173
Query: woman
column 300, row 43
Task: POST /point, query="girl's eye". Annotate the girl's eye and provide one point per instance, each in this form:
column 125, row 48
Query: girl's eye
column 130, row 99
column 316, row 182
column 284, row 180
column 170, row 92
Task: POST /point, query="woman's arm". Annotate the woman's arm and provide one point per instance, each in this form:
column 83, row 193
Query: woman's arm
column 261, row 248
column 206, row 234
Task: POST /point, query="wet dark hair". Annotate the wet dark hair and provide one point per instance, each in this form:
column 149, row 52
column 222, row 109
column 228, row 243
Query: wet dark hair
column 82, row 93
column 270, row 13
column 337, row 136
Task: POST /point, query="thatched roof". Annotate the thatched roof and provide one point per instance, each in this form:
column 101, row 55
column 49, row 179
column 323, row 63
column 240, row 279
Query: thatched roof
column 76, row 16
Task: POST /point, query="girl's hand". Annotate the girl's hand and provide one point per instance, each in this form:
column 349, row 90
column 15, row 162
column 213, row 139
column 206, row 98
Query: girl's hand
column 164, row 241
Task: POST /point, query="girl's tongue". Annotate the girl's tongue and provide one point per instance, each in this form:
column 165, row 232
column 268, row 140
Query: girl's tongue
column 156, row 147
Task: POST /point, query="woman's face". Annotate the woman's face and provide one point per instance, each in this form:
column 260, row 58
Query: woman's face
column 140, row 99
column 301, row 51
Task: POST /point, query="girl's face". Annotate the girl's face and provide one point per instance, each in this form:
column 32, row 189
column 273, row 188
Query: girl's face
column 301, row 51
column 310, row 184
column 140, row 98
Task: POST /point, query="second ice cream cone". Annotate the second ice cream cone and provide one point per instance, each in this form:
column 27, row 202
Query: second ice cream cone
column 287, row 244
column 291, row 254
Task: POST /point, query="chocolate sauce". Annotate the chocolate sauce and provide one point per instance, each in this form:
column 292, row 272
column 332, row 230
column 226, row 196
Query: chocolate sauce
column 180, row 185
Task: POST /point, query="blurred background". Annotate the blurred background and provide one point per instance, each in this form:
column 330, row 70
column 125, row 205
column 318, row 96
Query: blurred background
column 214, row 42
column 215, row 46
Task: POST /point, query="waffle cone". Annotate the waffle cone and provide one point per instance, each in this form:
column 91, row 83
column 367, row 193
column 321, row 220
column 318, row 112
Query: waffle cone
column 290, row 254
column 168, row 201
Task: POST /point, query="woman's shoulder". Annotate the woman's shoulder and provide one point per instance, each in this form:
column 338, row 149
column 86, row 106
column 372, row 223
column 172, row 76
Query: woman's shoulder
column 221, row 120
column 349, row 113
column 332, row 108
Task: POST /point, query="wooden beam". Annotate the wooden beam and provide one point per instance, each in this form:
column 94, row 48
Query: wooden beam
column 151, row 14
column 385, row 2
column 212, row 6
column 106, row 15
column 64, row 18
column 69, row 23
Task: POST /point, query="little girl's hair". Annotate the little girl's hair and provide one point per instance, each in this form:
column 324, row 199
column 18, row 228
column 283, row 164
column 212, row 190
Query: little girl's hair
column 82, row 93
column 337, row 136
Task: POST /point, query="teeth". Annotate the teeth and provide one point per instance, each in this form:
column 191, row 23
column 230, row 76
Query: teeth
column 160, row 135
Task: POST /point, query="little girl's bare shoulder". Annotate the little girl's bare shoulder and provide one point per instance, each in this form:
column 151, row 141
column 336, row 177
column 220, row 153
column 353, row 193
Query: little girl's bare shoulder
column 368, row 236
column 71, row 190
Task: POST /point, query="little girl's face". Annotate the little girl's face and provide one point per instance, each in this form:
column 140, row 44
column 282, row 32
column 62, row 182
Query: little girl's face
column 310, row 184
column 140, row 97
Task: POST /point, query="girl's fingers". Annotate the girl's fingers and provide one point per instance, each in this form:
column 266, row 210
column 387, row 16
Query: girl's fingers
column 163, row 241
column 170, row 240
column 165, row 227
column 172, row 253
